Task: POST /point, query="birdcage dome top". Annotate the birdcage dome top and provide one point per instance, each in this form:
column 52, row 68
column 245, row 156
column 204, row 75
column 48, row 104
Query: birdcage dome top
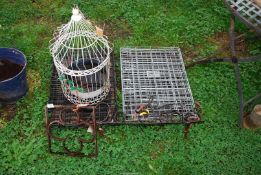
column 78, row 22
column 77, row 49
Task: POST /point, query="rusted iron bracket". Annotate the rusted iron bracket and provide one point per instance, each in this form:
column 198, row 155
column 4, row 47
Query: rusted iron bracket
column 77, row 122
column 186, row 130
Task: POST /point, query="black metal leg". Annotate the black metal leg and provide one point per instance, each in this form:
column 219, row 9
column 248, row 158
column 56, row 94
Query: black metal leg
column 232, row 40
column 232, row 36
column 95, row 133
column 240, row 94
column 47, row 130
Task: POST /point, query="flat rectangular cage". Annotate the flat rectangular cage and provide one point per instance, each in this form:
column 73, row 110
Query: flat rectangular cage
column 155, row 77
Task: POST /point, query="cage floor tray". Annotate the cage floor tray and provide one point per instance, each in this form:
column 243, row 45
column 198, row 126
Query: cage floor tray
column 155, row 86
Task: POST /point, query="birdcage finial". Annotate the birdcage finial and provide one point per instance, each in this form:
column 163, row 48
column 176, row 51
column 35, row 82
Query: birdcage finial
column 77, row 16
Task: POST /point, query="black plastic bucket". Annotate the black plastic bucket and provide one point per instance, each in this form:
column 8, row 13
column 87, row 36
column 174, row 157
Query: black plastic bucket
column 13, row 84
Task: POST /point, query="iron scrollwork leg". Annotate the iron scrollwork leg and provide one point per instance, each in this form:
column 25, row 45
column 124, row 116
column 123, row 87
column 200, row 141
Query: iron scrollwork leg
column 60, row 122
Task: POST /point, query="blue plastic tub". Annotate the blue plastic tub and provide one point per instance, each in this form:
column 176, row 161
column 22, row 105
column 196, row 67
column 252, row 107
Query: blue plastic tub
column 14, row 87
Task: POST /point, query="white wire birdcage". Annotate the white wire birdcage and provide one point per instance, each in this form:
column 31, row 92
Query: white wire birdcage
column 81, row 55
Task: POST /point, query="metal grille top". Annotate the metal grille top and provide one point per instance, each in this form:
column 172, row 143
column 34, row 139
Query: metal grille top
column 157, row 76
column 247, row 11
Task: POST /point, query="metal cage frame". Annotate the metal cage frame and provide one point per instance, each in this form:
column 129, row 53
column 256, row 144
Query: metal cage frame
column 156, row 78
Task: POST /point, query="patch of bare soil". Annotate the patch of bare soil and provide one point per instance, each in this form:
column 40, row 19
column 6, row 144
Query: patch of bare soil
column 7, row 112
column 156, row 153
column 252, row 120
column 116, row 29
column 221, row 41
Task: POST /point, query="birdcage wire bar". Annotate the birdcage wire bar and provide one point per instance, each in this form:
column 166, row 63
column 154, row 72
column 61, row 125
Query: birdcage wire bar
column 157, row 74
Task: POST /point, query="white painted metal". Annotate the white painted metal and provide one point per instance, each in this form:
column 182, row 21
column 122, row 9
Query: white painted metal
column 82, row 60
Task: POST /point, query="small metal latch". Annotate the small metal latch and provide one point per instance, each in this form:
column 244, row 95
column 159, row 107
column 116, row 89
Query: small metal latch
column 49, row 106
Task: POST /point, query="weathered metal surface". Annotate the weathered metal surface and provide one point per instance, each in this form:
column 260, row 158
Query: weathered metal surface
column 77, row 121
column 155, row 87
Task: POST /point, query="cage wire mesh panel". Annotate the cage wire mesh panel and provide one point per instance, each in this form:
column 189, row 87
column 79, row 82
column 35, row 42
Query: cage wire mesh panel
column 247, row 11
column 155, row 78
column 82, row 59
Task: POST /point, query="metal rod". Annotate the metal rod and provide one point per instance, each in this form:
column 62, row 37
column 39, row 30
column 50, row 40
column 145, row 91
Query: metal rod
column 232, row 36
column 236, row 69
column 252, row 99
column 240, row 94
column 229, row 60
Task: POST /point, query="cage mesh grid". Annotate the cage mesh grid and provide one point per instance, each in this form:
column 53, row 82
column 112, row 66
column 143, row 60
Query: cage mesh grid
column 105, row 110
column 158, row 75
column 248, row 11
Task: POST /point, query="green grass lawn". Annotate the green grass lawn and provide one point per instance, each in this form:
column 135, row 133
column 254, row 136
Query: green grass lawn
column 199, row 27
